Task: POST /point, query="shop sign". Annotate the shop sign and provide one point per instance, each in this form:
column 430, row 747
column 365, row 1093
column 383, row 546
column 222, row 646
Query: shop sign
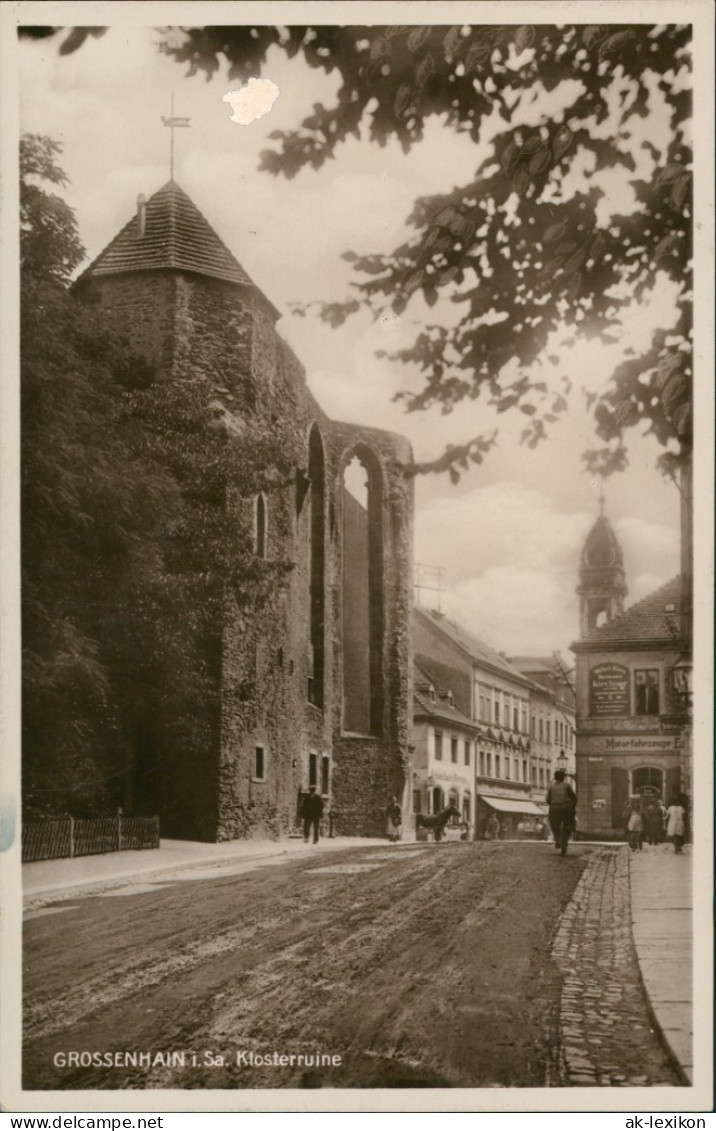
column 599, row 803
column 608, row 690
column 634, row 745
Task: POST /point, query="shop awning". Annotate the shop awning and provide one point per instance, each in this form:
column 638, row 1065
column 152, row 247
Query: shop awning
column 513, row 805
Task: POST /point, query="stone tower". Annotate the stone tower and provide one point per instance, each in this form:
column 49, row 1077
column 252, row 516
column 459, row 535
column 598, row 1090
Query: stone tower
column 313, row 686
column 602, row 584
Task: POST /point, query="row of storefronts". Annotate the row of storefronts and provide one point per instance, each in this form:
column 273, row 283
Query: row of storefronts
column 489, row 731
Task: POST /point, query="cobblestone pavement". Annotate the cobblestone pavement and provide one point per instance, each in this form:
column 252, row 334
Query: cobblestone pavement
column 607, row 1037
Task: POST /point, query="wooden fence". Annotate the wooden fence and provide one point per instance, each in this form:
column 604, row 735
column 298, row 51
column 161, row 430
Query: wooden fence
column 53, row 838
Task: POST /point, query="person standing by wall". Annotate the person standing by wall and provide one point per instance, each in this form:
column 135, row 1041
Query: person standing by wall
column 394, row 821
column 311, row 812
column 676, row 825
column 654, row 823
column 492, row 831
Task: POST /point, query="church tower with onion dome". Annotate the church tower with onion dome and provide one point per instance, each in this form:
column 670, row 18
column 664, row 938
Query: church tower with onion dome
column 602, row 584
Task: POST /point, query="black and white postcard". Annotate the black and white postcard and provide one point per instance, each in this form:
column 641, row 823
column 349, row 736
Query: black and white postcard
column 357, row 572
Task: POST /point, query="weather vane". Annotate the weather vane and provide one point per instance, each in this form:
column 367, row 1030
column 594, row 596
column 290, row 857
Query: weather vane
column 174, row 123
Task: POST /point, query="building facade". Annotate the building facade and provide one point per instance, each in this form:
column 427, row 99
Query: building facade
column 314, row 685
column 443, row 759
column 631, row 717
column 552, row 718
column 491, row 693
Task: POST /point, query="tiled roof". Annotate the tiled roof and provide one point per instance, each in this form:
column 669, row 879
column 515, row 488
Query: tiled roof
column 441, row 708
column 176, row 235
column 647, row 620
column 475, row 648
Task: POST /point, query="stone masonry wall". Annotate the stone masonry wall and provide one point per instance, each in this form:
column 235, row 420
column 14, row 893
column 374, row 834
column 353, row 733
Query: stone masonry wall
column 195, row 326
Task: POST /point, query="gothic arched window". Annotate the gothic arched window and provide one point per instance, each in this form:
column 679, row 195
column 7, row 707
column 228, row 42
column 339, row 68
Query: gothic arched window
column 362, row 604
column 317, row 573
column 260, row 526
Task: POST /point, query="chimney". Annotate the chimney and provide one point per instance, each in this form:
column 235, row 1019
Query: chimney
column 141, row 213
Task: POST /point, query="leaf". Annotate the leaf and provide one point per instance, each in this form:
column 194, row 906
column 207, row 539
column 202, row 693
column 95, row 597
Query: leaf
column 532, row 145
column 379, row 48
column 539, row 162
column 424, row 69
column 448, row 275
column 574, row 285
column 510, row 156
column 667, row 245
column 478, row 54
column 562, row 141
column 373, row 72
column 626, row 413
column 667, row 366
column 615, row 44
column 575, row 261
column 553, row 265
column 402, row 99
column 454, row 475
column 417, row 38
column 524, row 38
column 682, row 419
column 521, row 180
column 555, row 232
column 673, row 390
column 598, row 246
column 592, row 34
column 413, row 281
column 669, row 174
column 679, row 194
column 452, row 40
column 446, row 216
column 528, row 409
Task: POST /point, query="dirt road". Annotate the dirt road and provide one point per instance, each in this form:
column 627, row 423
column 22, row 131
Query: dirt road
column 410, row 966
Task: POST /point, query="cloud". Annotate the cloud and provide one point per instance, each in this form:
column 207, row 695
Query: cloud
column 511, row 561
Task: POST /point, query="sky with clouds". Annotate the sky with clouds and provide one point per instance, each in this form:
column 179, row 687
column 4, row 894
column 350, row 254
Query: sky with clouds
column 508, row 536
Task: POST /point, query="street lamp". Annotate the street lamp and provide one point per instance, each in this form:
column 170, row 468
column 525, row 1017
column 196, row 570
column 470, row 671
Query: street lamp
column 683, row 675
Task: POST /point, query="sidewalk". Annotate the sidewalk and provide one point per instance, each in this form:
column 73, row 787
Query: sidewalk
column 662, row 928
column 48, row 879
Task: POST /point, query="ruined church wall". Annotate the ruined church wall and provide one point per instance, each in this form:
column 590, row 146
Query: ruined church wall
column 225, row 336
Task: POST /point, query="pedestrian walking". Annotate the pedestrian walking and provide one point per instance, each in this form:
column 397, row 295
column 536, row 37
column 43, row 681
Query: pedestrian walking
column 394, row 821
column 311, row 812
column 562, row 801
column 676, row 825
column 492, row 830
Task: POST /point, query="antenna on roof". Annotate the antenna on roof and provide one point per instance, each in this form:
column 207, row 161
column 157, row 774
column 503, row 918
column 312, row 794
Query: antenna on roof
column 174, row 123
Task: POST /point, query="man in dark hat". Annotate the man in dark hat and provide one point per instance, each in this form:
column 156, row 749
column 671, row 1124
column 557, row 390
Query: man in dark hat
column 311, row 811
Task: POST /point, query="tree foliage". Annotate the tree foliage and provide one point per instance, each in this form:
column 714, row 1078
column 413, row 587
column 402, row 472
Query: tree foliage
column 530, row 244
column 129, row 549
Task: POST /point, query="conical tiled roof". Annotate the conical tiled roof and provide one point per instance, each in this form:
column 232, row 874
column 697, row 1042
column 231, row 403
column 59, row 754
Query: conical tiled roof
column 175, row 236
